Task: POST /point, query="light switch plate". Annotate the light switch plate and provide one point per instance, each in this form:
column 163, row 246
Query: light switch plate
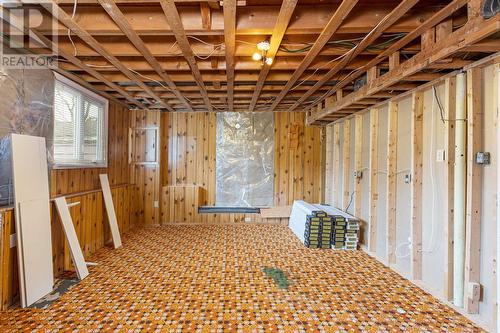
column 440, row 155
column 156, row 204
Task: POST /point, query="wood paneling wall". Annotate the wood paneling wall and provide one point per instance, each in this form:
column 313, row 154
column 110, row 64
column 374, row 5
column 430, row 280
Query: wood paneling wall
column 89, row 217
column 188, row 159
column 146, row 175
column 69, row 181
column 9, row 287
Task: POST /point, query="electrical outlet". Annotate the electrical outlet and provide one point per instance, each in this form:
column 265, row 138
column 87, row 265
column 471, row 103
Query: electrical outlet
column 248, row 219
column 440, row 155
column 156, row 204
column 483, row 158
column 358, row 174
column 474, row 291
column 408, row 178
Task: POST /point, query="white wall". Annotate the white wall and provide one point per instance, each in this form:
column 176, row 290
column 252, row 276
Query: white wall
column 488, row 213
column 381, row 234
column 434, row 192
column 403, row 191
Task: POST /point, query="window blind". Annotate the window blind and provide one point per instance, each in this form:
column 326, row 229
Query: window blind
column 80, row 127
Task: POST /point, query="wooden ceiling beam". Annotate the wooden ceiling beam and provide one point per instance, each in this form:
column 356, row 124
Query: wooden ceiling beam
column 162, row 48
column 286, row 11
column 229, row 8
column 90, row 87
column 333, row 24
column 471, row 33
column 74, row 27
column 188, row 90
column 148, row 20
column 386, row 22
column 186, row 77
column 206, row 66
column 120, row 20
column 428, row 24
column 175, row 23
column 206, row 16
column 34, row 35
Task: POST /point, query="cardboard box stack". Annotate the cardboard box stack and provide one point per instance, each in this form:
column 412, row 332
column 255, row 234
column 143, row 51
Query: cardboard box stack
column 318, row 231
column 322, row 226
column 345, row 229
column 339, row 232
column 352, row 235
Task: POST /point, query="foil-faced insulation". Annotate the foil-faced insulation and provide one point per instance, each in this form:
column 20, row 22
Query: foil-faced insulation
column 245, row 159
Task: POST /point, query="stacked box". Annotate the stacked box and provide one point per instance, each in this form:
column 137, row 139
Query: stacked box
column 339, row 232
column 326, row 232
column 313, row 231
column 318, row 231
column 352, row 235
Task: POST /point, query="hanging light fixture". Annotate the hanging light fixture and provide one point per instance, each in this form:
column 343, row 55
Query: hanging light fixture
column 261, row 54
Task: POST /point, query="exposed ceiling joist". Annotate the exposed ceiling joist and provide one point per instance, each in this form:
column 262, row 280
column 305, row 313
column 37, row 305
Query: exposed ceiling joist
column 286, row 11
column 386, row 22
column 174, row 21
column 469, row 34
column 117, row 16
column 428, row 24
column 229, row 8
column 335, row 21
column 68, row 21
column 206, row 16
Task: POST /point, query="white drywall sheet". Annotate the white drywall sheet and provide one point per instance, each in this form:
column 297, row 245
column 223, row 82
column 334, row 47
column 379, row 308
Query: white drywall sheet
column 434, row 192
column 32, row 215
column 74, row 246
column 110, row 210
column 489, row 223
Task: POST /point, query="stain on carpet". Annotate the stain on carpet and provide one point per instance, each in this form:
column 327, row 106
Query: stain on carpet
column 278, row 276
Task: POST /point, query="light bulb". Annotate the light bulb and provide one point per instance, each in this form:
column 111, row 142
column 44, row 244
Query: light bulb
column 264, row 46
column 256, row 56
column 269, row 61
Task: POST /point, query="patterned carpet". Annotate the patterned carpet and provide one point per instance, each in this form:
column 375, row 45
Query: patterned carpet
column 211, row 279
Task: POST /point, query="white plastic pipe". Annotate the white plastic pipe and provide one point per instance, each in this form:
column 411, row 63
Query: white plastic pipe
column 459, row 191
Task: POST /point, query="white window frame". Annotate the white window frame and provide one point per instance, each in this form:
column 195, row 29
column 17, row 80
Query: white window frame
column 105, row 102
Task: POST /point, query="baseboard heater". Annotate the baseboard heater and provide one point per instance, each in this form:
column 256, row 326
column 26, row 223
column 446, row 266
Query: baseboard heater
column 228, row 210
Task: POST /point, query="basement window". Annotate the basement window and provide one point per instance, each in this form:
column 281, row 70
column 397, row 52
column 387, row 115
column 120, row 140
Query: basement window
column 80, row 126
column 245, row 159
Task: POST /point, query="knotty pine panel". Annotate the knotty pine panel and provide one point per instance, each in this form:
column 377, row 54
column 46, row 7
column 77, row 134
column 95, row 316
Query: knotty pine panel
column 69, row 181
column 188, row 159
column 146, row 176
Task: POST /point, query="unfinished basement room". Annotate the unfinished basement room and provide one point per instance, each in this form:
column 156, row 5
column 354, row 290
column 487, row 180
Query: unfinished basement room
column 249, row 166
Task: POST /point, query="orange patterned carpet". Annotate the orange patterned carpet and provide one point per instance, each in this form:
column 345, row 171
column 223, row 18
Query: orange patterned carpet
column 211, row 279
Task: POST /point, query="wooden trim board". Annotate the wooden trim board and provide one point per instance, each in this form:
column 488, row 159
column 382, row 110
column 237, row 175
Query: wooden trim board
column 69, row 231
column 110, row 210
column 276, row 212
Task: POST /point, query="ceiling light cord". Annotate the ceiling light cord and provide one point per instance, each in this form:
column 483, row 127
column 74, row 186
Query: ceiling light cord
column 75, row 51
